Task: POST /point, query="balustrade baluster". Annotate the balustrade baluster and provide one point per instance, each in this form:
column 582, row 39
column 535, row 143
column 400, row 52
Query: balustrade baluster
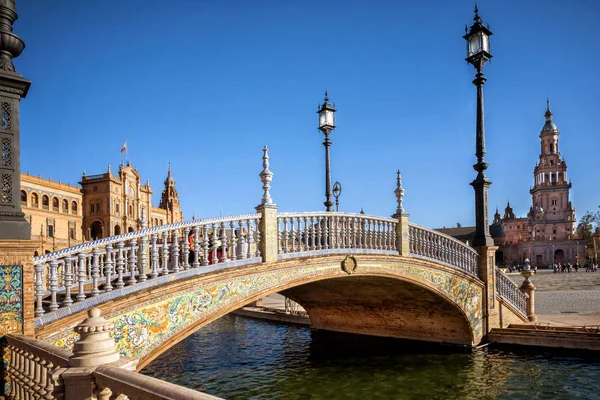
column 143, row 258
column 95, row 271
column 306, row 234
column 256, row 237
column 131, row 262
column 205, row 245
column 243, row 241
column 80, row 277
column 185, row 249
column 196, row 262
column 120, row 264
column 108, row 268
column 223, row 243
column 49, row 381
column 175, row 251
column 313, row 233
column 214, row 257
column 53, row 284
column 43, row 379
column 68, row 282
column 234, row 241
column 279, row 235
column 29, row 373
column 165, row 253
column 154, row 256
column 292, row 235
column 18, row 373
column 285, row 235
column 37, row 376
column 326, row 226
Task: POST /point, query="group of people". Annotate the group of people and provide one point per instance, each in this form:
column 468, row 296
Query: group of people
column 561, row 268
column 592, row 266
column 215, row 248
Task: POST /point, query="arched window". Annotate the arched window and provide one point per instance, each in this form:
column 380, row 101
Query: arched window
column 117, row 229
column 34, row 200
column 55, row 204
column 74, row 207
column 45, row 202
column 155, row 221
column 65, row 206
column 23, row 198
column 161, row 222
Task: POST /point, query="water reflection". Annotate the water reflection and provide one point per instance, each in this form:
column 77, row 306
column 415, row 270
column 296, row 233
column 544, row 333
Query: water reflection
column 240, row 358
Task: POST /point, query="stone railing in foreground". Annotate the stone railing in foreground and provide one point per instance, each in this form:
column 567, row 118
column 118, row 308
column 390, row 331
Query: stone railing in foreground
column 74, row 279
column 320, row 233
column 94, row 370
column 436, row 246
column 510, row 292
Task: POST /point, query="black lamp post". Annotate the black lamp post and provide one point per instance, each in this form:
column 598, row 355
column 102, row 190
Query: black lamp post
column 337, row 191
column 326, row 125
column 478, row 52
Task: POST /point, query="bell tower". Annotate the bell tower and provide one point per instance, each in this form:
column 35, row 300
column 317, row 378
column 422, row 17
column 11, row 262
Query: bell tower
column 170, row 200
column 552, row 214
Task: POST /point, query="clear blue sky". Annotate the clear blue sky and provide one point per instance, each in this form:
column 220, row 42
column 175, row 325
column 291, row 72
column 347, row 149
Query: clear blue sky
column 206, row 84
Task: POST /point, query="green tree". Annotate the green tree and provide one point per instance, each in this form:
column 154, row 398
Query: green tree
column 588, row 227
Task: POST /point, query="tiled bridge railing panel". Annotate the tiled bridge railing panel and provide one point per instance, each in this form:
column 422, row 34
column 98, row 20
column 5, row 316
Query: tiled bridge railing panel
column 510, row 292
column 319, row 233
column 432, row 245
column 73, row 277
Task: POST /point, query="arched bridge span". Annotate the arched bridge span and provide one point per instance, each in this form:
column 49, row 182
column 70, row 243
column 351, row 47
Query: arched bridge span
column 161, row 284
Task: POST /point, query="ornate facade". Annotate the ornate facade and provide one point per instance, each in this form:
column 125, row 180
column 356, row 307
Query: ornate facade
column 61, row 215
column 53, row 210
column 113, row 203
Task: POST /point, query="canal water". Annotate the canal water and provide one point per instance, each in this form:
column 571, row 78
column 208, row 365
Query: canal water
column 241, row 358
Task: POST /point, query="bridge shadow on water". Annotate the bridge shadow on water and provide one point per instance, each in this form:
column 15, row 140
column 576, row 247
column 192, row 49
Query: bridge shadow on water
column 241, row 358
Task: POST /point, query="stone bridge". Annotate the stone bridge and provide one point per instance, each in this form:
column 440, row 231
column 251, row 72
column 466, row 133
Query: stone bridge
column 351, row 272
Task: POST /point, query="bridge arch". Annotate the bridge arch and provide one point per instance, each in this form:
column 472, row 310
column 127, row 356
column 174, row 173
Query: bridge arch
column 149, row 322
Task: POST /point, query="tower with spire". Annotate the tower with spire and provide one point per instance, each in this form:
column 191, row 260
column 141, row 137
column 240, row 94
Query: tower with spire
column 552, row 215
column 169, row 200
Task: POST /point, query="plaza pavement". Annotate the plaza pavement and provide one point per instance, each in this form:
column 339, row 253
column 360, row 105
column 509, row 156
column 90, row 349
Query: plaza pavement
column 567, row 299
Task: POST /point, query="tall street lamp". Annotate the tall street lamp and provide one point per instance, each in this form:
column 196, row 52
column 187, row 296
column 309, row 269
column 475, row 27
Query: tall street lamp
column 478, row 52
column 337, row 191
column 326, row 125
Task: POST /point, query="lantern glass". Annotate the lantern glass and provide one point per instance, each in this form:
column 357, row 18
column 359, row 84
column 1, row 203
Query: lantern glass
column 478, row 43
column 326, row 118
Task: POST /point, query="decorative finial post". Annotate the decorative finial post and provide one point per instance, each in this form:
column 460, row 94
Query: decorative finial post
column 265, row 177
column 528, row 288
column 95, row 345
column 144, row 220
column 399, row 192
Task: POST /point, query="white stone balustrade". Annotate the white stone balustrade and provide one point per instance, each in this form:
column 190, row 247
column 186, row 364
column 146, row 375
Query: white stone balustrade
column 510, row 292
column 432, row 245
column 321, row 233
column 136, row 259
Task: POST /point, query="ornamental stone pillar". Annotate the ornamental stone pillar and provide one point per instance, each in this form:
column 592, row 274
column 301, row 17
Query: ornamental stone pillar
column 528, row 288
column 267, row 225
column 402, row 239
column 487, row 273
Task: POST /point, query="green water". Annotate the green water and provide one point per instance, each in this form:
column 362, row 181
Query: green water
column 241, row 358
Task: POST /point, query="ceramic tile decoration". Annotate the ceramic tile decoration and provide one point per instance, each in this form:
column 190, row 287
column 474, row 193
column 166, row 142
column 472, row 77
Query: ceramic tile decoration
column 140, row 331
column 11, row 299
